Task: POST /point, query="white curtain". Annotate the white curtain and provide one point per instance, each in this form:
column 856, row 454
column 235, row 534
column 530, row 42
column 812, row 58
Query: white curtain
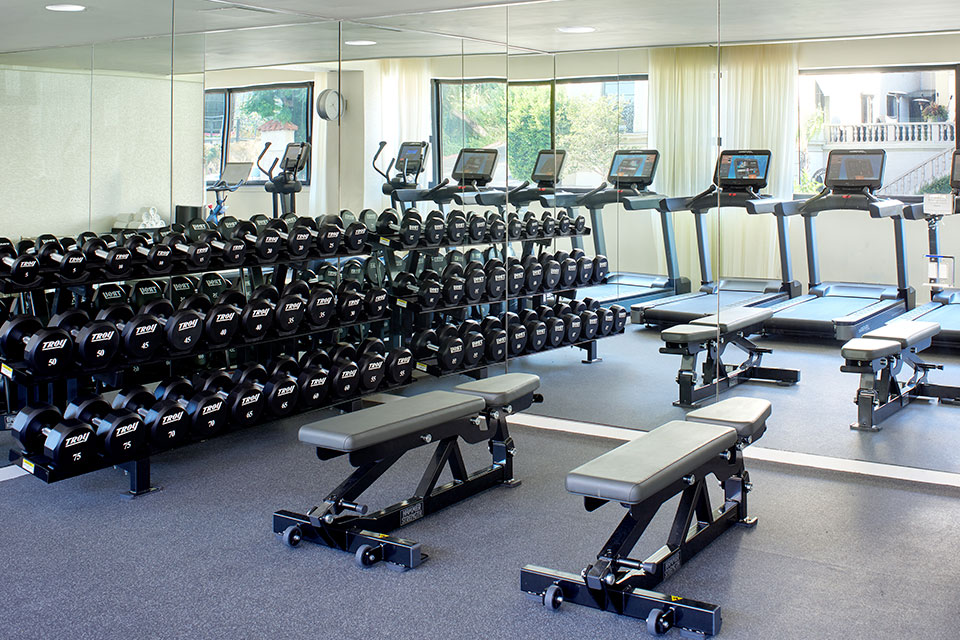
column 758, row 110
column 683, row 127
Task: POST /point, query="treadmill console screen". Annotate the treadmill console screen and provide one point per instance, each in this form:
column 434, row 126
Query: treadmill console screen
column 475, row 165
column 855, row 169
column 955, row 173
column 548, row 166
column 636, row 167
column 742, row 169
column 410, row 157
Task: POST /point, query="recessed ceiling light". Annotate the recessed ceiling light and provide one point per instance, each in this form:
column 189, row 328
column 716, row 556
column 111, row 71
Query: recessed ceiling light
column 576, row 29
column 68, row 8
column 360, row 43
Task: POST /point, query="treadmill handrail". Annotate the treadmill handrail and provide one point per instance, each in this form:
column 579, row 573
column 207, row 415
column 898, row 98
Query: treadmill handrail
column 877, row 208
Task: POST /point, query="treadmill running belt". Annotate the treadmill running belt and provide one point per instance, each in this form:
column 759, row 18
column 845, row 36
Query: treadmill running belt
column 948, row 316
column 692, row 308
column 823, row 309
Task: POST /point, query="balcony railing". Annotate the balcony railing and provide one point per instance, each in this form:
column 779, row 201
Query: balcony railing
column 924, row 173
column 892, row 132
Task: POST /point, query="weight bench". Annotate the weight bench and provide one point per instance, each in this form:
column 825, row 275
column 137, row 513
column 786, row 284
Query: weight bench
column 642, row 475
column 878, row 356
column 712, row 335
column 377, row 437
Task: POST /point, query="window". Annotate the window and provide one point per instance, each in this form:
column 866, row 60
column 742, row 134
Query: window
column 910, row 113
column 237, row 123
column 590, row 119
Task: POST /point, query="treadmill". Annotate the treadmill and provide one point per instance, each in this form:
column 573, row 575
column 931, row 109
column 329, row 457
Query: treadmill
column 631, row 173
column 471, row 174
column 545, row 175
column 845, row 310
column 944, row 305
column 738, row 177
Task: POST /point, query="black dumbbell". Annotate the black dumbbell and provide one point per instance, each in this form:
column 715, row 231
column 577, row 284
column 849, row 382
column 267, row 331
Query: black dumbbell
column 568, row 269
column 370, row 358
column 536, row 329
column 296, row 240
column 548, row 224
column 556, row 327
column 245, row 402
column 22, row 270
column 589, row 322
column 265, row 245
column 230, row 252
column 434, row 226
column 516, row 277
column 495, row 338
column 167, row 423
column 474, row 344
column 456, row 227
column 353, row 233
column 280, row 391
column 619, row 318
column 532, row 274
column 182, row 328
column 452, row 283
column 496, row 228
column 256, row 315
column 365, row 279
column 95, row 342
column 427, row 290
column 496, row 278
column 140, row 333
column 531, row 225
column 157, row 258
column 326, row 238
column 69, row 263
column 208, row 412
column 584, row 267
column 221, row 320
column 288, row 308
column 551, row 271
column 70, row 444
column 46, row 351
column 321, row 306
column 514, row 227
column 571, row 321
column 601, row 267
column 195, row 255
column 350, row 302
column 121, row 433
column 343, row 374
column 563, row 223
column 407, row 227
column 606, row 321
column 313, row 381
column 444, row 343
column 179, row 288
column 105, row 252
column 475, row 282
column 516, row 335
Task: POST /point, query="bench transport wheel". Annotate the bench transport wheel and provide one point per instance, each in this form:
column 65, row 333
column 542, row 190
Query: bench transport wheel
column 553, row 597
column 365, row 556
column 659, row 622
column 292, row 535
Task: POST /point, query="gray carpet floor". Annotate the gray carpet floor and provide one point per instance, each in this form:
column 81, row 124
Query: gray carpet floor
column 831, row 557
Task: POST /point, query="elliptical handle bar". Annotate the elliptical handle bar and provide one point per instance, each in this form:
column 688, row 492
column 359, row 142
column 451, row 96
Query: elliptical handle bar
column 260, row 157
column 383, row 143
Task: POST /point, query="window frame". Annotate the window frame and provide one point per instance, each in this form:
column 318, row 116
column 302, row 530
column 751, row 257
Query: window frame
column 228, row 93
column 437, row 115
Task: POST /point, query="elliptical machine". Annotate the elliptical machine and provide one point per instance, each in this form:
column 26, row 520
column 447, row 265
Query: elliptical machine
column 284, row 186
column 408, row 163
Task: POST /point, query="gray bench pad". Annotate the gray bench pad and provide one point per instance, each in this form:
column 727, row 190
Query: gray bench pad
column 747, row 415
column 687, row 333
column 376, row 425
column 906, row 332
column 869, row 348
column 735, row 318
column 500, row 391
column 642, row 467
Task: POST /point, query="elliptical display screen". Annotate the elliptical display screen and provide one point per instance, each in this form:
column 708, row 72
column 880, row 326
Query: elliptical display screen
column 742, row 169
column 855, row 169
column 410, row 157
column 474, row 165
column 633, row 167
column 295, row 157
column 955, row 172
column 548, row 166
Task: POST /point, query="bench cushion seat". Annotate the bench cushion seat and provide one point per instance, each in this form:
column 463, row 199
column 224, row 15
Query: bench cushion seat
column 747, row 415
column 906, row 332
column 361, row 429
column 735, row 318
column 687, row 333
column 650, row 463
column 500, row 391
column 863, row 349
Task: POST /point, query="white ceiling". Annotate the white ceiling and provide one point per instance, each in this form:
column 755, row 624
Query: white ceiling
column 217, row 34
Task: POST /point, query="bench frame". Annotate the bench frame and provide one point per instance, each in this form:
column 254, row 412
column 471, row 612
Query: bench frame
column 343, row 523
column 623, row 585
column 717, row 376
column 881, row 394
